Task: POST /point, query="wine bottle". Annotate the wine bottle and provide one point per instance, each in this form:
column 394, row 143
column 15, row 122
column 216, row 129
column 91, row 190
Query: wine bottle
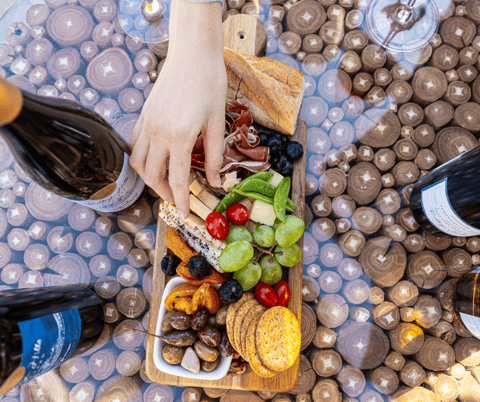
column 447, row 200
column 465, row 297
column 42, row 328
column 68, row 149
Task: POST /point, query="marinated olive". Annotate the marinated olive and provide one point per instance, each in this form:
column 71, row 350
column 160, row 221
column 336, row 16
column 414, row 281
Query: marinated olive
column 212, row 322
column 180, row 338
column 166, row 323
column 173, row 354
column 209, row 366
column 205, row 352
column 225, row 347
column 221, row 316
column 199, row 319
column 180, row 320
column 210, row 336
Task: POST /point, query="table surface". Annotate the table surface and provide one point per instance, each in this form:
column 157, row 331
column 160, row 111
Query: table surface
column 10, row 174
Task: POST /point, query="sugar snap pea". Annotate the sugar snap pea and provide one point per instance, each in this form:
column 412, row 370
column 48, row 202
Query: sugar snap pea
column 259, row 197
column 265, row 188
column 232, row 198
column 280, row 198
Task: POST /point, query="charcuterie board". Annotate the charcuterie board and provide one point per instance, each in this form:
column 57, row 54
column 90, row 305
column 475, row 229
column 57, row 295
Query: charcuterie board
column 285, row 380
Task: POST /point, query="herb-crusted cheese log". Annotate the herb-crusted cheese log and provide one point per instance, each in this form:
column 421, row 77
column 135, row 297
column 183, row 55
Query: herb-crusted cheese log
column 194, row 232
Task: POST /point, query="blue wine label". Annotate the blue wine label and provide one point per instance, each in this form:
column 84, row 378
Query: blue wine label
column 119, row 195
column 471, row 322
column 438, row 210
column 48, row 341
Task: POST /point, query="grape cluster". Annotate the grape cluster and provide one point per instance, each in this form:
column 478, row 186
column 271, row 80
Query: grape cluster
column 259, row 256
column 283, row 151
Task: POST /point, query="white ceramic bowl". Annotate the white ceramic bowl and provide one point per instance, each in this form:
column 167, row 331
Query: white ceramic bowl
column 220, row 372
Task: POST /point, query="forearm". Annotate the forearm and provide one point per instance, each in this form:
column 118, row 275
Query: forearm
column 196, row 28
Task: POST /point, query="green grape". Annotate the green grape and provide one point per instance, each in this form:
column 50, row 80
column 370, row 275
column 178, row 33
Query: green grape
column 264, row 236
column 277, row 223
column 237, row 233
column 271, row 270
column 289, row 256
column 289, row 233
column 235, row 256
column 249, row 275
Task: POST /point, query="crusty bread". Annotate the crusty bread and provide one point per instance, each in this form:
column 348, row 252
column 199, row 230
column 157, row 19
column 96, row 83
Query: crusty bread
column 272, row 90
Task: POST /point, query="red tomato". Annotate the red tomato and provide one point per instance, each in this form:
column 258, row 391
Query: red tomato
column 283, row 293
column 217, row 225
column 265, row 294
column 237, row 214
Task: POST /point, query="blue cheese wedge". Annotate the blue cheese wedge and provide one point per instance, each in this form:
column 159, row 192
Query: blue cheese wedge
column 194, row 232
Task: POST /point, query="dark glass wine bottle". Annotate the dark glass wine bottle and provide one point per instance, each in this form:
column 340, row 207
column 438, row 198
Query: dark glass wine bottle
column 68, row 149
column 447, row 200
column 41, row 328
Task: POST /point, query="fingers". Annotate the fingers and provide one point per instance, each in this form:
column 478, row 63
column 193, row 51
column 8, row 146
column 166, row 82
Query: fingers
column 136, row 132
column 179, row 169
column 138, row 157
column 214, row 137
column 156, row 170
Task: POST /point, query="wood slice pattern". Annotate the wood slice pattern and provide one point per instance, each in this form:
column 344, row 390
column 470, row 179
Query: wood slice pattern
column 376, row 128
column 426, row 269
column 70, row 269
column 363, row 345
column 334, row 86
column 70, row 25
column 436, row 354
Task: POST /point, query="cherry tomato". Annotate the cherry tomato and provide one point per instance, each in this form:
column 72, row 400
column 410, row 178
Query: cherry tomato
column 283, row 293
column 217, row 226
column 237, row 214
column 265, row 294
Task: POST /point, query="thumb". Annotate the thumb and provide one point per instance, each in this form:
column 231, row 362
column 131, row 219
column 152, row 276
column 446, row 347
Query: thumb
column 214, row 136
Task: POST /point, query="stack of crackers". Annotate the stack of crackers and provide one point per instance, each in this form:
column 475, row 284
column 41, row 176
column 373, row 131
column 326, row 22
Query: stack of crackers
column 269, row 339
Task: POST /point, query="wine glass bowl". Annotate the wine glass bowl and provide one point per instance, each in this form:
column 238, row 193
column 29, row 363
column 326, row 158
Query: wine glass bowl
column 402, row 25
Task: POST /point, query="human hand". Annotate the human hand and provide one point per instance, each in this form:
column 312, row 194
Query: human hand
column 188, row 99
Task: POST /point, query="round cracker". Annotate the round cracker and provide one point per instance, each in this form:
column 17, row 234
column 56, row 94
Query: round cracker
column 278, row 338
column 252, row 314
column 232, row 310
column 238, row 321
column 251, row 349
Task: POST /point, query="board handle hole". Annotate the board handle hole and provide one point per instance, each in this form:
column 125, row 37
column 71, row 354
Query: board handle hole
column 241, row 35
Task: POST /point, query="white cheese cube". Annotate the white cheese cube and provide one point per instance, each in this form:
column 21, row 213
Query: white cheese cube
column 276, row 178
column 262, row 213
column 198, row 207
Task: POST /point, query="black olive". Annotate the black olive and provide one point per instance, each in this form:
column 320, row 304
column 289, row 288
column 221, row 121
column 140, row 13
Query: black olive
column 287, row 170
column 169, row 264
column 294, row 151
column 230, row 291
column 274, row 144
column 198, row 266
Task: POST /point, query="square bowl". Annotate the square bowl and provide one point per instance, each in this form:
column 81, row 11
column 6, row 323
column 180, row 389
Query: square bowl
column 220, row 372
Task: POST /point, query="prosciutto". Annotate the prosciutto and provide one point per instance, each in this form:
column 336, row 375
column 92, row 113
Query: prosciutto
column 241, row 149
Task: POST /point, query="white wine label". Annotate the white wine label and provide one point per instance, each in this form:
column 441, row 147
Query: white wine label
column 438, row 210
column 128, row 188
column 471, row 322
column 48, row 341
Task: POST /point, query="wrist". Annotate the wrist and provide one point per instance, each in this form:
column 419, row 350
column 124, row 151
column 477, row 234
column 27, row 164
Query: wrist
column 196, row 27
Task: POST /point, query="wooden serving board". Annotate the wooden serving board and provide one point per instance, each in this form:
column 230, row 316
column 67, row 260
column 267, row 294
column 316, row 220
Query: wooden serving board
column 246, row 34
column 282, row 382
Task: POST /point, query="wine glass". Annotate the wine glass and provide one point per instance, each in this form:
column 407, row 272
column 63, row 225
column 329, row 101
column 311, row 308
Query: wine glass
column 145, row 21
column 402, row 25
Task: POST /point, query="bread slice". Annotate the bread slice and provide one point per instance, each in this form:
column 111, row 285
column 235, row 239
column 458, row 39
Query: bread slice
column 272, row 90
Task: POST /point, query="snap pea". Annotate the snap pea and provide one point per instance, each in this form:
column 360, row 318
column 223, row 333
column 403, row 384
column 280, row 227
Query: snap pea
column 280, row 198
column 232, row 198
column 259, row 197
column 265, row 188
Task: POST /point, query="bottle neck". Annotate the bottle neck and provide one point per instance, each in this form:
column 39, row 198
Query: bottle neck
column 11, row 102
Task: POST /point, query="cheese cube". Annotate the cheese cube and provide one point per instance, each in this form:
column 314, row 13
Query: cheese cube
column 262, row 213
column 246, row 203
column 203, row 195
column 198, row 207
column 276, row 178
